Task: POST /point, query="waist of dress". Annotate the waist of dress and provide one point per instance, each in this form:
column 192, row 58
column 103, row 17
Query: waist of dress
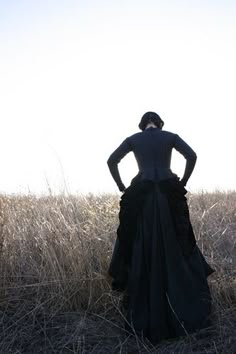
column 156, row 173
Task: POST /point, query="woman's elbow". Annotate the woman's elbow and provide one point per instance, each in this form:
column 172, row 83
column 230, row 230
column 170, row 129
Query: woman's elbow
column 110, row 161
column 191, row 158
column 194, row 156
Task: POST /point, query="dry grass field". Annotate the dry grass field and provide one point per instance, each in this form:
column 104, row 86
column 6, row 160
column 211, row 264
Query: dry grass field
column 54, row 290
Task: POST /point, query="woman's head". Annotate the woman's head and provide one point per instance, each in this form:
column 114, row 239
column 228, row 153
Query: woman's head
column 151, row 117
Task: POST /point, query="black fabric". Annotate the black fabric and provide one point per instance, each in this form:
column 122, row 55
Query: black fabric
column 175, row 193
column 130, row 205
column 152, row 149
column 157, row 263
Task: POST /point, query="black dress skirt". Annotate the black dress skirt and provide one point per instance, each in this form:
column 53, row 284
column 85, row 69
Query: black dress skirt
column 157, row 263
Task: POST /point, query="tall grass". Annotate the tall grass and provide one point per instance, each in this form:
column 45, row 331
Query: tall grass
column 54, row 289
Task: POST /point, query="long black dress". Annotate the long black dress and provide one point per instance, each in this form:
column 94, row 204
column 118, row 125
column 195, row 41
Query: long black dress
column 156, row 260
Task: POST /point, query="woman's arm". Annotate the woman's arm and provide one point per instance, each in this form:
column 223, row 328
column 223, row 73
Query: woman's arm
column 115, row 158
column 190, row 156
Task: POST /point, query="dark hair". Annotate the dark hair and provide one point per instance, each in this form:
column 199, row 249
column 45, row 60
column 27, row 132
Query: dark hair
column 151, row 117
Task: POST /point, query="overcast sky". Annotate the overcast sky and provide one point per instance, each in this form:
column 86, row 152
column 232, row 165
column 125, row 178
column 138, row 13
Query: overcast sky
column 76, row 77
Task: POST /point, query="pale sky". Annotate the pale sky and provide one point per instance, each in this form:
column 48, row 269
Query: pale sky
column 76, row 77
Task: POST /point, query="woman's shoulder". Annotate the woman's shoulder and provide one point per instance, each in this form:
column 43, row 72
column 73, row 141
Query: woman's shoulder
column 154, row 132
column 134, row 136
column 168, row 133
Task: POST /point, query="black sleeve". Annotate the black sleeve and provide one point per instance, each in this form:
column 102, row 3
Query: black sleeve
column 115, row 158
column 181, row 146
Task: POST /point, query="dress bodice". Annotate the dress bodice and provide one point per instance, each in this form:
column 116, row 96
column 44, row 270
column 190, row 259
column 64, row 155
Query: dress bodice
column 152, row 149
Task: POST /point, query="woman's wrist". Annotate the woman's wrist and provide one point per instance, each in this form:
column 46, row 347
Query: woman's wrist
column 121, row 187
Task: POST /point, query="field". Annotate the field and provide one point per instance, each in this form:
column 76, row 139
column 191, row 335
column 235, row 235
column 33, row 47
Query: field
column 55, row 295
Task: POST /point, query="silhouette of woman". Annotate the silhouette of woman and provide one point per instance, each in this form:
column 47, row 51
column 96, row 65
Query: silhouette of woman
column 156, row 261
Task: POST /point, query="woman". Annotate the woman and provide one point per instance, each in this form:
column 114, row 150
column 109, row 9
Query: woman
column 156, row 261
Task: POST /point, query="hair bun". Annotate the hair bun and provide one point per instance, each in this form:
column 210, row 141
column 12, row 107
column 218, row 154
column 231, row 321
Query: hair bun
column 151, row 117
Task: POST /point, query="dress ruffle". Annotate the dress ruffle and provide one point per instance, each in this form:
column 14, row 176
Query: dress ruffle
column 158, row 264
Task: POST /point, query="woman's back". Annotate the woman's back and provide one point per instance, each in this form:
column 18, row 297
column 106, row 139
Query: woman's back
column 152, row 149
